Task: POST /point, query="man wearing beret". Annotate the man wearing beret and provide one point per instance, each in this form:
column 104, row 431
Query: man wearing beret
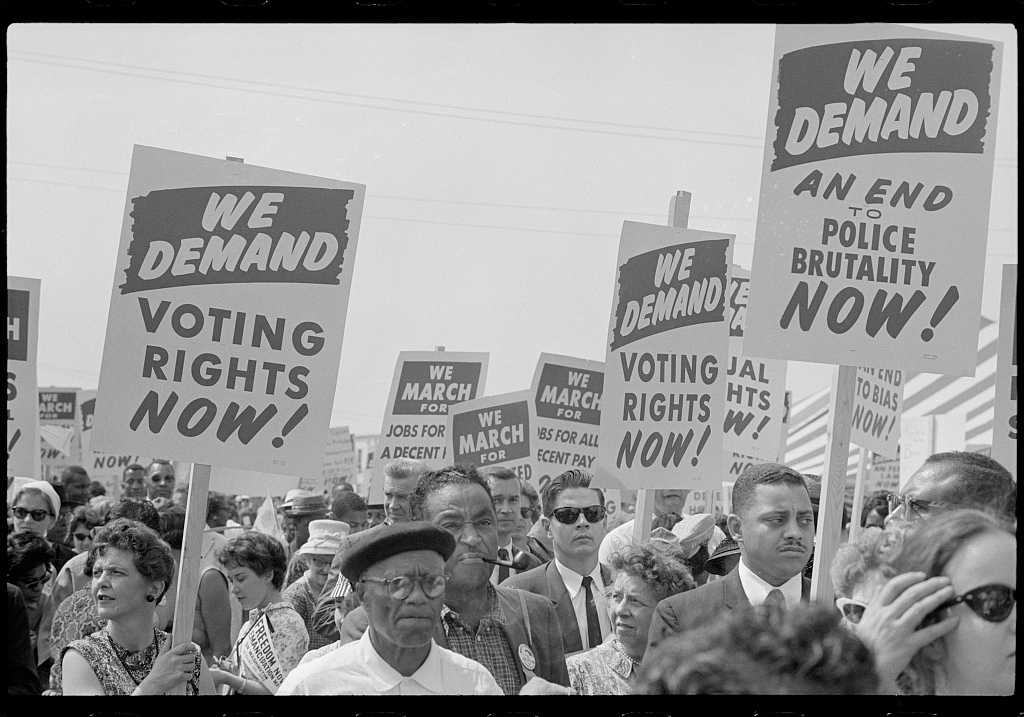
column 398, row 574
column 773, row 523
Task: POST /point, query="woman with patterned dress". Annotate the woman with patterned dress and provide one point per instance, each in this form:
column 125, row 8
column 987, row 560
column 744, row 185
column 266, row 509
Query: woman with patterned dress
column 131, row 569
column 274, row 638
column 324, row 540
column 643, row 576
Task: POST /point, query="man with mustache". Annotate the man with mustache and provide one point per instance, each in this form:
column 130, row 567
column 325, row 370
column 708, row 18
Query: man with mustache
column 773, row 523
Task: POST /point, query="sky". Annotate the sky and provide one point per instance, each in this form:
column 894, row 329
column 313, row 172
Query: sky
column 500, row 162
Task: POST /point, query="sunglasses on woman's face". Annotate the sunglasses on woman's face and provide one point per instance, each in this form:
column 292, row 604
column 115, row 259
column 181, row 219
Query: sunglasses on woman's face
column 38, row 515
column 569, row 516
column 992, row 603
column 853, row 610
column 82, row 536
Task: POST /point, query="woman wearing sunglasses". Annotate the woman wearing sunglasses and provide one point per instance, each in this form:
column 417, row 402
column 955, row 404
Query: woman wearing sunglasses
column 84, row 520
column 859, row 571
column 36, row 507
column 947, row 621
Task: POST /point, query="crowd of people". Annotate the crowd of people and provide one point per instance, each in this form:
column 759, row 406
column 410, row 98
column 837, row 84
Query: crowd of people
column 471, row 581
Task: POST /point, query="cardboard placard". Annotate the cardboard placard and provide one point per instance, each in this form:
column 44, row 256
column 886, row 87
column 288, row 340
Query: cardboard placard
column 22, row 401
column 883, row 474
column 876, row 410
column 227, row 313
column 494, row 431
column 339, row 457
column 59, row 424
column 755, row 392
column 1004, row 427
column 566, row 394
column 873, row 214
column 667, row 354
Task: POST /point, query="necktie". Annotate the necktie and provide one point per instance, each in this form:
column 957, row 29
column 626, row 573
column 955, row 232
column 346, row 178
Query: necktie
column 593, row 624
column 503, row 570
column 776, row 599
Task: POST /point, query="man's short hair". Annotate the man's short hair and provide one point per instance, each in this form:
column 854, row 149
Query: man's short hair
column 132, row 468
column 347, row 503
column 498, row 473
column 433, row 481
column 572, row 478
column 982, row 483
column 162, row 462
column 763, row 650
column 404, row 468
column 762, row 474
column 71, row 473
column 217, row 502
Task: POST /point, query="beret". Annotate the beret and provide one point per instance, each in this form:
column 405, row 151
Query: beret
column 392, row 540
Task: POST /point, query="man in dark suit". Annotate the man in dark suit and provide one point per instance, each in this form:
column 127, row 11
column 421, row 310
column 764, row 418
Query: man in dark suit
column 773, row 523
column 574, row 516
column 507, row 496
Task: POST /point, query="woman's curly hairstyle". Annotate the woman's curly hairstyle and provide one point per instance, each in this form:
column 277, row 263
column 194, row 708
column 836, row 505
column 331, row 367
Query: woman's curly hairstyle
column 662, row 573
column 259, row 552
column 150, row 554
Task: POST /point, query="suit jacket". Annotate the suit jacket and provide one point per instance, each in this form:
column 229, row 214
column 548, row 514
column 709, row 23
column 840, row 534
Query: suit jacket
column 544, row 636
column 547, row 581
column 681, row 612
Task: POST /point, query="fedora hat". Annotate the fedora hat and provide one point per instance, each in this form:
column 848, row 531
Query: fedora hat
column 303, row 503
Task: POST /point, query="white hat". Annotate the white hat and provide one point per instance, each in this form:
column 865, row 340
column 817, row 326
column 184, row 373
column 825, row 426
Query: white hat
column 694, row 531
column 324, row 537
column 46, row 489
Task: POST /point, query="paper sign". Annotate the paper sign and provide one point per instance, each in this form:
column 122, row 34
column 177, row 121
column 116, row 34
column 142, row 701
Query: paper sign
column 665, row 369
column 873, row 216
column 59, row 421
column 339, row 457
column 566, row 394
column 755, row 392
column 227, row 313
column 109, row 469
column 22, row 402
column 921, row 436
column 258, row 656
column 232, row 481
column 876, row 410
column 884, row 474
column 1004, row 427
column 493, row 431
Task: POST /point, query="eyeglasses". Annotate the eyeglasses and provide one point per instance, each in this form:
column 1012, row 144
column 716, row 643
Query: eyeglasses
column 568, row 515
column 992, row 603
column 852, row 610
column 911, row 505
column 36, row 582
column 82, row 536
column 38, row 515
column 401, row 587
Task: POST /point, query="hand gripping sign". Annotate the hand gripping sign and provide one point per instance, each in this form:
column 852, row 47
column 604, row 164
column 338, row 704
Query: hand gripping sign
column 227, row 313
column 875, row 191
column 494, row 431
column 566, row 394
column 662, row 410
column 22, row 402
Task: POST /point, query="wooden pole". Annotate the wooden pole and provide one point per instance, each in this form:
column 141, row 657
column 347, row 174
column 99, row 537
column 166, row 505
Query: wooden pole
column 858, row 493
column 837, row 459
column 678, row 217
column 191, row 548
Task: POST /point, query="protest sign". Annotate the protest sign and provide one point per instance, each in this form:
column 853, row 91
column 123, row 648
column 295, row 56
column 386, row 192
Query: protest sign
column 232, row 481
column 339, row 457
column 59, row 422
column 663, row 407
column 494, row 431
column 1004, row 427
column 921, row 436
column 257, row 654
column 883, row 474
column 566, row 394
column 756, row 387
column 874, row 205
column 425, row 386
column 227, row 313
column 22, row 402
column 876, row 410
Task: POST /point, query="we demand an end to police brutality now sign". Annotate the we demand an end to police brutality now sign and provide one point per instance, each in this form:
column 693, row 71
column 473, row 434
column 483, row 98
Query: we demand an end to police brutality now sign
column 227, row 313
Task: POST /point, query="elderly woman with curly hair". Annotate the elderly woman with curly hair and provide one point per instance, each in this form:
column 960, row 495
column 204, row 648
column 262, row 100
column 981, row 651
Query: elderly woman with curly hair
column 255, row 565
column 131, row 569
column 643, row 575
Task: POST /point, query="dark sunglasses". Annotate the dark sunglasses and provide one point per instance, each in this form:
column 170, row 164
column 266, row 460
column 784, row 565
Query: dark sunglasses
column 38, row 515
column 82, row 536
column 992, row 603
column 36, row 582
column 567, row 515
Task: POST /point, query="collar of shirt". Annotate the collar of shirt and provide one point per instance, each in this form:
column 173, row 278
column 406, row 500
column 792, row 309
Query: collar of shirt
column 494, row 613
column 757, row 589
column 574, row 581
column 385, row 677
column 620, row 663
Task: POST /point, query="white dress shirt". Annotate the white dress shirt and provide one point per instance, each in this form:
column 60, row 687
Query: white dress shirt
column 355, row 668
column 574, row 585
column 757, row 589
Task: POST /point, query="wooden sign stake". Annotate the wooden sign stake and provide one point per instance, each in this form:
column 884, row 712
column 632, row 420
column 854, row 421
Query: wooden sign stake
column 837, row 459
column 678, row 217
column 191, row 548
column 858, row 493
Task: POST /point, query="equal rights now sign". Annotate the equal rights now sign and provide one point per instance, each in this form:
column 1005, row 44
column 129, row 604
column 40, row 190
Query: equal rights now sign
column 494, row 431
column 875, row 190
column 227, row 313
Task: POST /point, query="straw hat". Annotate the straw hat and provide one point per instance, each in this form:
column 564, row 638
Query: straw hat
column 324, row 537
column 300, row 502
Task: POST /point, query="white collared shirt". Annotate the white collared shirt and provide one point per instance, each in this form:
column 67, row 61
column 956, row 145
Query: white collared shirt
column 356, row 668
column 574, row 585
column 757, row 589
column 511, row 571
